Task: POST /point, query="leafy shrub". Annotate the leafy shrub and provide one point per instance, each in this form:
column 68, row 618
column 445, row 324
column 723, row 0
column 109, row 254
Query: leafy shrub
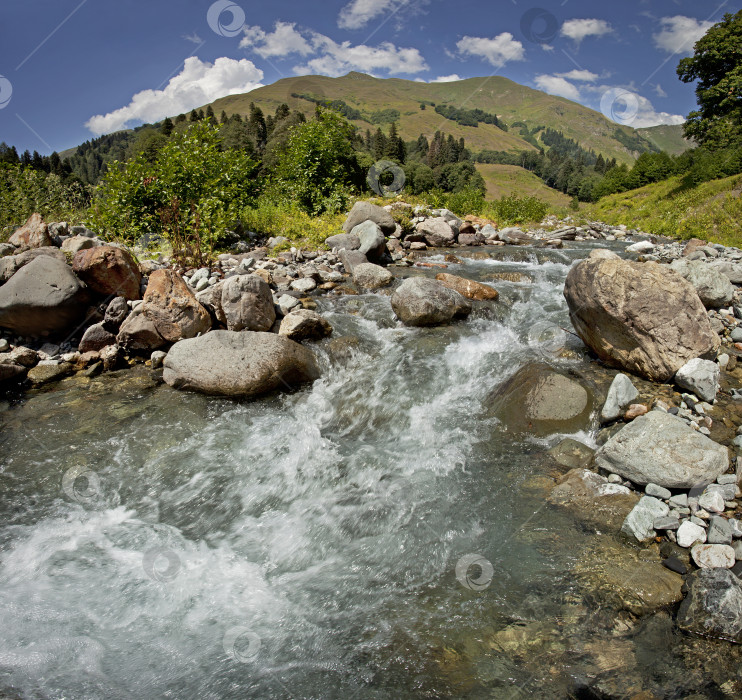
column 516, row 210
column 191, row 193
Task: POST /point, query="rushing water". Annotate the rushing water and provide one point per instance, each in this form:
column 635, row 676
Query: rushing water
column 157, row 544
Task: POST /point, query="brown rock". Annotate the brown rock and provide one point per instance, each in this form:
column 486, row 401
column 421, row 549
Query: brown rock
column 635, row 410
column 86, row 359
column 33, row 234
column 172, row 307
column 139, row 333
column 109, row 270
column 468, row 288
column 96, row 337
column 11, row 372
column 641, row 317
column 693, row 245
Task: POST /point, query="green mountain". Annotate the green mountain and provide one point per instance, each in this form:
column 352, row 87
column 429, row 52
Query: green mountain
column 372, row 102
column 667, row 137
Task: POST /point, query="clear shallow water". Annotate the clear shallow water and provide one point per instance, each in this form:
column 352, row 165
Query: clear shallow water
column 160, row 544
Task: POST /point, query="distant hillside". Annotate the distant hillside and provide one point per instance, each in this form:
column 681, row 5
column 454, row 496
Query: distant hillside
column 668, row 137
column 376, row 99
column 506, row 180
column 711, row 210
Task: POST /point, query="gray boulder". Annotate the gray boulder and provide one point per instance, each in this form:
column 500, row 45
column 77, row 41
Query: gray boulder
column 351, row 259
column 95, row 338
column 304, row 324
column 437, row 232
column 711, row 285
column 661, row 449
column 343, row 241
column 12, row 263
column 713, row 605
column 420, row 301
column 639, row 522
column 701, row 377
column 116, row 313
column 247, row 364
column 732, row 271
column 77, row 243
column 138, row 333
column 370, row 276
column 247, row 303
column 366, row 211
column 620, row 394
column 372, row 242
column 44, row 297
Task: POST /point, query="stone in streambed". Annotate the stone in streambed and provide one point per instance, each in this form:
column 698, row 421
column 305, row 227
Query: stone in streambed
column 304, row 324
column 420, row 301
column 714, row 288
column 367, row 211
column 713, row 556
column 370, row 276
column 244, row 364
column 639, row 522
column 641, row 317
column 372, row 242
column 572, row 454
column 109, row 270
column 172, row 308
column 95, row 338
column 713, row 605
column 468, row 288
column 689, row 534
column 539, row 400
column 720, row 531
column 620, row 394
column 661, row 449
column 247, row 303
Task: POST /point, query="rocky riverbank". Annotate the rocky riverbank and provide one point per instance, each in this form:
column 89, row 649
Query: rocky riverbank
column 664, row 325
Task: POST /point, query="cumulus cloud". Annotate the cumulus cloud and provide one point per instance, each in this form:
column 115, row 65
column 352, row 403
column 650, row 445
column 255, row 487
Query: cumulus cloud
column 625, row 101
column 679, row 34
column 282, row 41
column 446, row 78
column 358, row 13
column 556, row 85
column 198, row 83
column 497, row 51
column 584, row 76
column 578, row 29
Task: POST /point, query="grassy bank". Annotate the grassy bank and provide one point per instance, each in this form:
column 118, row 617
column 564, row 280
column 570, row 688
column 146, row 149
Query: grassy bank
column 711, row 210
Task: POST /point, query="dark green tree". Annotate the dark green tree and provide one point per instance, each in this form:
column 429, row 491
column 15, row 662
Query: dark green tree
column 167, row 127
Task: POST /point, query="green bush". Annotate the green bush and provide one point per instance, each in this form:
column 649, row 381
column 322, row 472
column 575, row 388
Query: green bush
column 516, row 210
column 192, row 193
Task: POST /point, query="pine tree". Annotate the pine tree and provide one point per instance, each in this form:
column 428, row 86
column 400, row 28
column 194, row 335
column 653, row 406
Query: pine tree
column 210, row 116
column 379, row 144
column 180, row 118
column 167, row 126
column 201, row 115
column 256, row 127
column 223, row 118
column 194, row 116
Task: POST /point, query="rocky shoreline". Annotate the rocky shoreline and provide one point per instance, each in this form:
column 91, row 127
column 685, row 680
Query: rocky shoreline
column 668, row 321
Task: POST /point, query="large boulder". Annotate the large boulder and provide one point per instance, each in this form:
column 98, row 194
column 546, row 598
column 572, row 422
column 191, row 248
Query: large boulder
column 12, row 263
column 420, row 301
column 343, row 241
column 660, row 449
column 712, row 286
column 304, row 324
column 701, row 377
column 172, row 307
column 437, row 232
column 33, row 234
column 352, row 259
column 247, row 364
column 247, row 304
column 372, row 241
column 641, row 317
column 42, row 298
column 539, row 400
column 467, row 288
column 370, row 276
column 366, row 211
column 713, row 605
column 95, row 338
column 109, row 270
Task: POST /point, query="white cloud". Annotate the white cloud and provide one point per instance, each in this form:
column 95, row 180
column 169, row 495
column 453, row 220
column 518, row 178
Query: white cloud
column 446, row 78
column 680, row 33
column 547, row 47
column 584, row 76
column 358, row 13
column 555, row 85
column 639, row 110
column 283, row 41
column 497, row 50
column 337, row 59
column 578, row 29
column 193, row 38
column 659, row 91
column 198, row 83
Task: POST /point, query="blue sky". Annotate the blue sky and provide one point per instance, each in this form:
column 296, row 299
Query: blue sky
column 73, row 69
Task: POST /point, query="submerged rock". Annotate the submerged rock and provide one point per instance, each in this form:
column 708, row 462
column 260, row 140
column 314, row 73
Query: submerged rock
column 713, row 605
column 537, row 399
column 661, row 449
column 572, row 454
column 245, row 364
column 641, row 317
column 468, row 288
column 420, row 301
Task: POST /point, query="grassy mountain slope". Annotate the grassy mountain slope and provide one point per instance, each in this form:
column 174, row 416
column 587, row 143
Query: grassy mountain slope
column 712, row 210
column 668, row 137
column 506, row 180
column 509, row 100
